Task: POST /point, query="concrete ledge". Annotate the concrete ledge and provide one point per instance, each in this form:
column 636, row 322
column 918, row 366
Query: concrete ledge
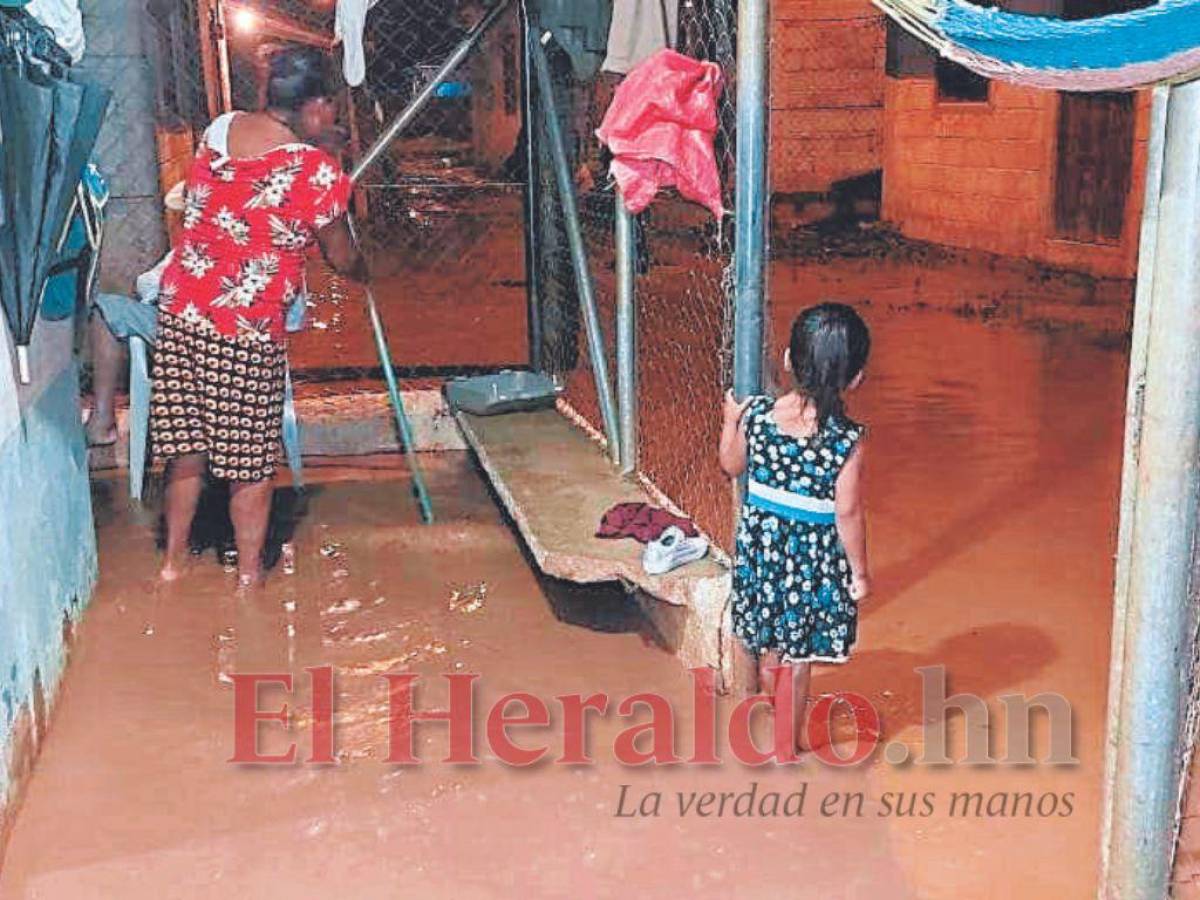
column 351, row 424
column 362, row 423
column 556, row 484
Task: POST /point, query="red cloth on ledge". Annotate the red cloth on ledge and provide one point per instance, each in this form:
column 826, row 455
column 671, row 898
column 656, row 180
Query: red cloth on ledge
column 642, row 522
column 660, row 129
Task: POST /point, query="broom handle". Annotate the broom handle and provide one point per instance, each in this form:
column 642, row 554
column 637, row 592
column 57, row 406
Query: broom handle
column 389, row 373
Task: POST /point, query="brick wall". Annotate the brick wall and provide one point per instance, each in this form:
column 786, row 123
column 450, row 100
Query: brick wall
column 827, row 85
column 982, row 175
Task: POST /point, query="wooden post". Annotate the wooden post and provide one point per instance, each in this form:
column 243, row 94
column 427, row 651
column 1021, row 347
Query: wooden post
column 205, row 17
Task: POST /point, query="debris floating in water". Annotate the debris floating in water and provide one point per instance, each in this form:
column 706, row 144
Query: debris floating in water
column 343, row 606
column 468, row 599
column 331, row 550
column 148, row 630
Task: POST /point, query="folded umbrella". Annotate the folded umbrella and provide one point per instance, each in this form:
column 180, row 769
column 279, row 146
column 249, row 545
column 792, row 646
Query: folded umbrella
column 50, row 128
column 26, row 114
column 78, row 114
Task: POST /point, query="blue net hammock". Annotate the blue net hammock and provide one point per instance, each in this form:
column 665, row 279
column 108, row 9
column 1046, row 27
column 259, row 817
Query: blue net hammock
column 1159, row 43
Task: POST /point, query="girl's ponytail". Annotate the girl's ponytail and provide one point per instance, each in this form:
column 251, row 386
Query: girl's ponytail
column 829, row 347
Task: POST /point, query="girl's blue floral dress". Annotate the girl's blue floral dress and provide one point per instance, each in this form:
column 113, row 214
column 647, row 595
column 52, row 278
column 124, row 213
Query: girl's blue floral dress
column 791, row 578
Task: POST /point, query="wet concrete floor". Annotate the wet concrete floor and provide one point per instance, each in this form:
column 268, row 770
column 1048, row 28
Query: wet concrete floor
column 993, row 482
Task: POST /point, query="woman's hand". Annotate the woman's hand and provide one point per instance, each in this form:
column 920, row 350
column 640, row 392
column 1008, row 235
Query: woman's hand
column 340, row 251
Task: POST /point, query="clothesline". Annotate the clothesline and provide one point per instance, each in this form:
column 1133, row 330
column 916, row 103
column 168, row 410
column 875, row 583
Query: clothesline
column 1117, row 52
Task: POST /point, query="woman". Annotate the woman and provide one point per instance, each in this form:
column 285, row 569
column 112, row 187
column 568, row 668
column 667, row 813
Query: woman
column 257, row 196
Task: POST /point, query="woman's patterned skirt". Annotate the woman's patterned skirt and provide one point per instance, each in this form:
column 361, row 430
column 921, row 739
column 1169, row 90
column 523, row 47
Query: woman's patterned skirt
column 217, row 395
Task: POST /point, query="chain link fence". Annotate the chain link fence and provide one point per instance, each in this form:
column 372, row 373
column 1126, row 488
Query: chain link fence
column 683, row 282
column 455, row 239
column 441, row 214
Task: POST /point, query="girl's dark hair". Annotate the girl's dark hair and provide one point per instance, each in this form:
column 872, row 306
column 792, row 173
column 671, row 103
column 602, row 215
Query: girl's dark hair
column 297, row 74
column 829, row 347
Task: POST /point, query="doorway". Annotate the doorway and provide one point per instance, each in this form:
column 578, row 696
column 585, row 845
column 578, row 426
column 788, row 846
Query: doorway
column 1094, row 171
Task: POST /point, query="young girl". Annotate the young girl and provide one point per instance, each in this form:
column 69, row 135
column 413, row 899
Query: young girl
column 801, row 561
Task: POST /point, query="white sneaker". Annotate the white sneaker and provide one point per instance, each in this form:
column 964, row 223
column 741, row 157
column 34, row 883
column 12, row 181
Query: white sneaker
column 672, row 550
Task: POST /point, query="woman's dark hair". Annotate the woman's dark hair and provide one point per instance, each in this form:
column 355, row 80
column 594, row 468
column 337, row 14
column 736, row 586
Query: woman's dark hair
column 829, row 347
column 297, row 74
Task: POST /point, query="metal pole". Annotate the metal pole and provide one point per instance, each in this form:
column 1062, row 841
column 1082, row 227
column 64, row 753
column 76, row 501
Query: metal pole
column 626, row 335
column 1133, row 426
column 1156, row 668
column 533, row 289
column 583, row 276
column 750, row 248
column 389, row 375
column 419, row 102
column 382, row 349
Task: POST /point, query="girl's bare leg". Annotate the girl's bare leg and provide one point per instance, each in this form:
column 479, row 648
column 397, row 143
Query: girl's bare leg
column 185, row 478
column 768, row 679
column 801, row 675
column 745, row 669
column 250, row 509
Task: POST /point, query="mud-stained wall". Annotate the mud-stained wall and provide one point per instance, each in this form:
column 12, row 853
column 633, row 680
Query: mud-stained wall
column 47, row 543
column 47, row 536
column 982, row 175
column 827, row 80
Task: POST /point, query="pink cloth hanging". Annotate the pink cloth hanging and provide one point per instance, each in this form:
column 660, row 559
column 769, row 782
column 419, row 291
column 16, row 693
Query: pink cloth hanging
column 660, row 129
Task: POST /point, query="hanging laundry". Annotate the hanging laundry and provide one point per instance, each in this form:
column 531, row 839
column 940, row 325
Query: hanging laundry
column 348, row 26
column 642, row 522
column 640, row 28
column 64, row 19
column 580, row 27
column 660, row 129
column 50, row 126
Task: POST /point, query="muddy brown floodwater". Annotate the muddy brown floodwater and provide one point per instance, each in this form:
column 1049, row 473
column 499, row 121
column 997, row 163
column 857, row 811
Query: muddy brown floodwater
column 993, row 481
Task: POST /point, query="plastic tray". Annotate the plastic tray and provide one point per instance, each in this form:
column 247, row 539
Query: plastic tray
column 504, row 392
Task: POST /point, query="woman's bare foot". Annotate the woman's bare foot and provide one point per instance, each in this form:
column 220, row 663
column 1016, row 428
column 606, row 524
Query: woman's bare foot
column 172, row 570
column 249, row 580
